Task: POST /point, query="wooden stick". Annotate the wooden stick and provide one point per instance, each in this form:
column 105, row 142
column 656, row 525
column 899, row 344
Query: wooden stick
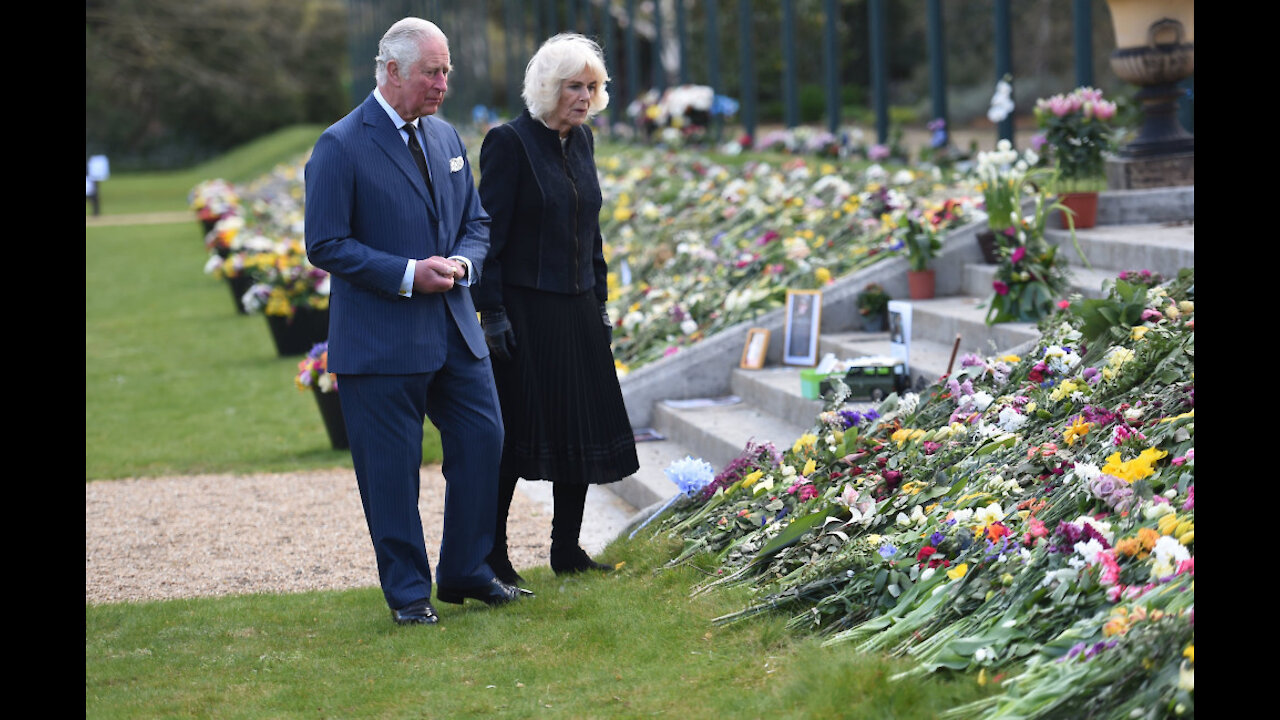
column 954, row 349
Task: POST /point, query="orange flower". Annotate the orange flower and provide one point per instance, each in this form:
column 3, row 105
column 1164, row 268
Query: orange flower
column 1148, row 537
column 1129, row 547
column 995, row 531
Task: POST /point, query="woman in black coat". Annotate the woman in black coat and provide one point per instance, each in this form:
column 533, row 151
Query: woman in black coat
column 542, row 301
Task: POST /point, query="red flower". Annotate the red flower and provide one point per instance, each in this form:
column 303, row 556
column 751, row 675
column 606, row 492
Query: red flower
column 925, row 552
column 1000, row 288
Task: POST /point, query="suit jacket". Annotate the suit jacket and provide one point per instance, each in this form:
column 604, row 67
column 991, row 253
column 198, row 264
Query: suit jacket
column 367, row 212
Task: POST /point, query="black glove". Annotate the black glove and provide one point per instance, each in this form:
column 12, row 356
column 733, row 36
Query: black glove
column 498, row 334
column 604, row 315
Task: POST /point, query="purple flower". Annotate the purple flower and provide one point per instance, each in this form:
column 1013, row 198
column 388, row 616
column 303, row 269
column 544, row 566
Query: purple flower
column 970, row 360
column 1190, row 504
column 937, row 538
column 1000, row 288
column 1018, row 254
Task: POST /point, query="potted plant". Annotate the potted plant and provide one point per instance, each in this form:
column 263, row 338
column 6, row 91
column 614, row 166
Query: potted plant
column 313, row 374
column 920, row 237
column 873, row 306
column 1077, row 132
column 229, row 249
column 292, row 293
column 1006, row 179
column 213, row 200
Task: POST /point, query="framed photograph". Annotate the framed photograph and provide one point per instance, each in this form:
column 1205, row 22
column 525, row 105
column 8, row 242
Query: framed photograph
column 753, row 351
column 804, row 317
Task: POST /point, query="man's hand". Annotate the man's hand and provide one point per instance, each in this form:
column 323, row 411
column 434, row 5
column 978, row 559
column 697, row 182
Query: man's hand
column 436, row 274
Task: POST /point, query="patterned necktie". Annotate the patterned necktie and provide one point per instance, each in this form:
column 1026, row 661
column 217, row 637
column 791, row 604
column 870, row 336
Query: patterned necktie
column 418, row 157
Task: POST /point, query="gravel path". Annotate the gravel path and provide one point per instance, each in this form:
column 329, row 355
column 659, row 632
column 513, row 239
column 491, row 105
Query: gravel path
column 212, row 535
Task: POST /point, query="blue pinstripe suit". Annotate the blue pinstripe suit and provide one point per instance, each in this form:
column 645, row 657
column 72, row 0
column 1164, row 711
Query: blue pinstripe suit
column 400, row 359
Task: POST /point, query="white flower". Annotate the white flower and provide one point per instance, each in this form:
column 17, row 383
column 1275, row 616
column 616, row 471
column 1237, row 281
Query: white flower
column 689, row 326
column 1001, row 103
column 903, row 177
column 982, row 400
column 1103, row 527
column 1010, row 419
column 962, row 515
column 1089, row 550
column 1152, row 511
column 989, row 514
column 927, row 573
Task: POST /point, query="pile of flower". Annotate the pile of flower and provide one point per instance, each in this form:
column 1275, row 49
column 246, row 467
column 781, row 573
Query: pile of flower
column 1030, row 520
column 694, row 246
column 313, row 370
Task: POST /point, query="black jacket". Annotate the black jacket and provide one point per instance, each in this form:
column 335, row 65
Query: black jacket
column 544, row 201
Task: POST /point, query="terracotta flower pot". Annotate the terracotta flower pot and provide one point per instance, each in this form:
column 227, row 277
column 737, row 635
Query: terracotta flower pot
column 1085, row 207
column 920, row 284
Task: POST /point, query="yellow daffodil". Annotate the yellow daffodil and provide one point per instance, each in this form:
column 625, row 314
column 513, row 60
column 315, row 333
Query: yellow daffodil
column 822, row 275
column 1167, row 524
column 809, row 467
column 1076, row 430
column 1012, row 359
column 751, row 478
column 804, row 442
column 1189, row 652
column 1138, row 331
column 1135, row 469
column 958, row 571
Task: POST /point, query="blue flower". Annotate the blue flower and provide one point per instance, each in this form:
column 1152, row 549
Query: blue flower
column 937, row 538
column 690, row 475
column 887, row 550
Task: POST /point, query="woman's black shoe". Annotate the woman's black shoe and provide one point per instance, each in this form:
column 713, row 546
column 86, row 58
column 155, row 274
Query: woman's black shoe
column 575, row 560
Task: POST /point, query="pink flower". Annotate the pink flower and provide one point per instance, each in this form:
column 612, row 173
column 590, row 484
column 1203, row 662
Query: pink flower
column 1018, row 254
column 1064, row 304
column 671, row 350
column 1000, row 288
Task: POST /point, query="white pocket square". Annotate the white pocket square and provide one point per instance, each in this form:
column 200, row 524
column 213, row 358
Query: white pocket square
column 455, row 164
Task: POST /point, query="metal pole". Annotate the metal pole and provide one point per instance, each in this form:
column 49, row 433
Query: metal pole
column 682, row 32
column 938, row 69
column 879, row 70
column 790, row 110
column 1004, row 61
column 633, row 55
column 512, row 74
column 831, row 63
column 611, row 63
column 1082, row 24
column 659, row 82
column 748, row 69
column 713, row 62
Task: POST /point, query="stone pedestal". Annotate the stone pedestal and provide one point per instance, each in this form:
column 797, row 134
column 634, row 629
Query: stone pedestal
column 1151, row 172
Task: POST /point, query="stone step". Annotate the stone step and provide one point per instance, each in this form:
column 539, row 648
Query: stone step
column 1156, row 247
column 718, row 433
column 927, row 361
column 1086, row 281
column 940, row 319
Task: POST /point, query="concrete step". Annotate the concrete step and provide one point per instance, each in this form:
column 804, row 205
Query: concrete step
column 718, row 434
column 939, row 320
column 1086, row 281
column 650, row 485
column 1163, row 248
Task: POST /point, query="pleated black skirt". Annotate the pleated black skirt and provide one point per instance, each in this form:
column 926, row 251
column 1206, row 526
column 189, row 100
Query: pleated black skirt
column 562, row 406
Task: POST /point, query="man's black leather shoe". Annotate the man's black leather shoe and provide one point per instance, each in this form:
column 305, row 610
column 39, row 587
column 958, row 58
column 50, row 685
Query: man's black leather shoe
column 494, row 592
column 416, row 613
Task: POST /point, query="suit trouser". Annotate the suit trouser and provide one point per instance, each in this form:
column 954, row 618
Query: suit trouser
column 384, row 417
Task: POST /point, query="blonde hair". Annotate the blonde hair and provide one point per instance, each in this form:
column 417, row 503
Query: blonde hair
column 561, row 57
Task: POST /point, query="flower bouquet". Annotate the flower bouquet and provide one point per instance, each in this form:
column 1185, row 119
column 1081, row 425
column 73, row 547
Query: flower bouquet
column 212, row 200
column 1006, row 178
column 1030, row 277
column 313, row 374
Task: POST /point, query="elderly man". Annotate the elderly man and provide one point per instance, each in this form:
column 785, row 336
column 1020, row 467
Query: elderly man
column 392, row 213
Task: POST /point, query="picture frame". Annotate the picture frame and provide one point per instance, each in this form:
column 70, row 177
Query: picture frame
column 803, row 321
column 755, row 349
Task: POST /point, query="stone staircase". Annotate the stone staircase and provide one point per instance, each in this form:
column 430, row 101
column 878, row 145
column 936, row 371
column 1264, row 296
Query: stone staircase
column 1137, row 229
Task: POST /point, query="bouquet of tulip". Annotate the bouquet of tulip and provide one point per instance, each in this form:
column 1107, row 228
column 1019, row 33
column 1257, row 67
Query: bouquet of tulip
column 1077, row 132
column 313, row 370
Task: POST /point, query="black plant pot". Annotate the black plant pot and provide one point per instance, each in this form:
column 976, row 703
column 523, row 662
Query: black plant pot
column 874, row 323
column 240, row 285
column 331, row 412
column 987, row 243
column 297, row 335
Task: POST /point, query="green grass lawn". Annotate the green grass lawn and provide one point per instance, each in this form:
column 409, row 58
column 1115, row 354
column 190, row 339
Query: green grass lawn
column 629, row 645
column 177, row 382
